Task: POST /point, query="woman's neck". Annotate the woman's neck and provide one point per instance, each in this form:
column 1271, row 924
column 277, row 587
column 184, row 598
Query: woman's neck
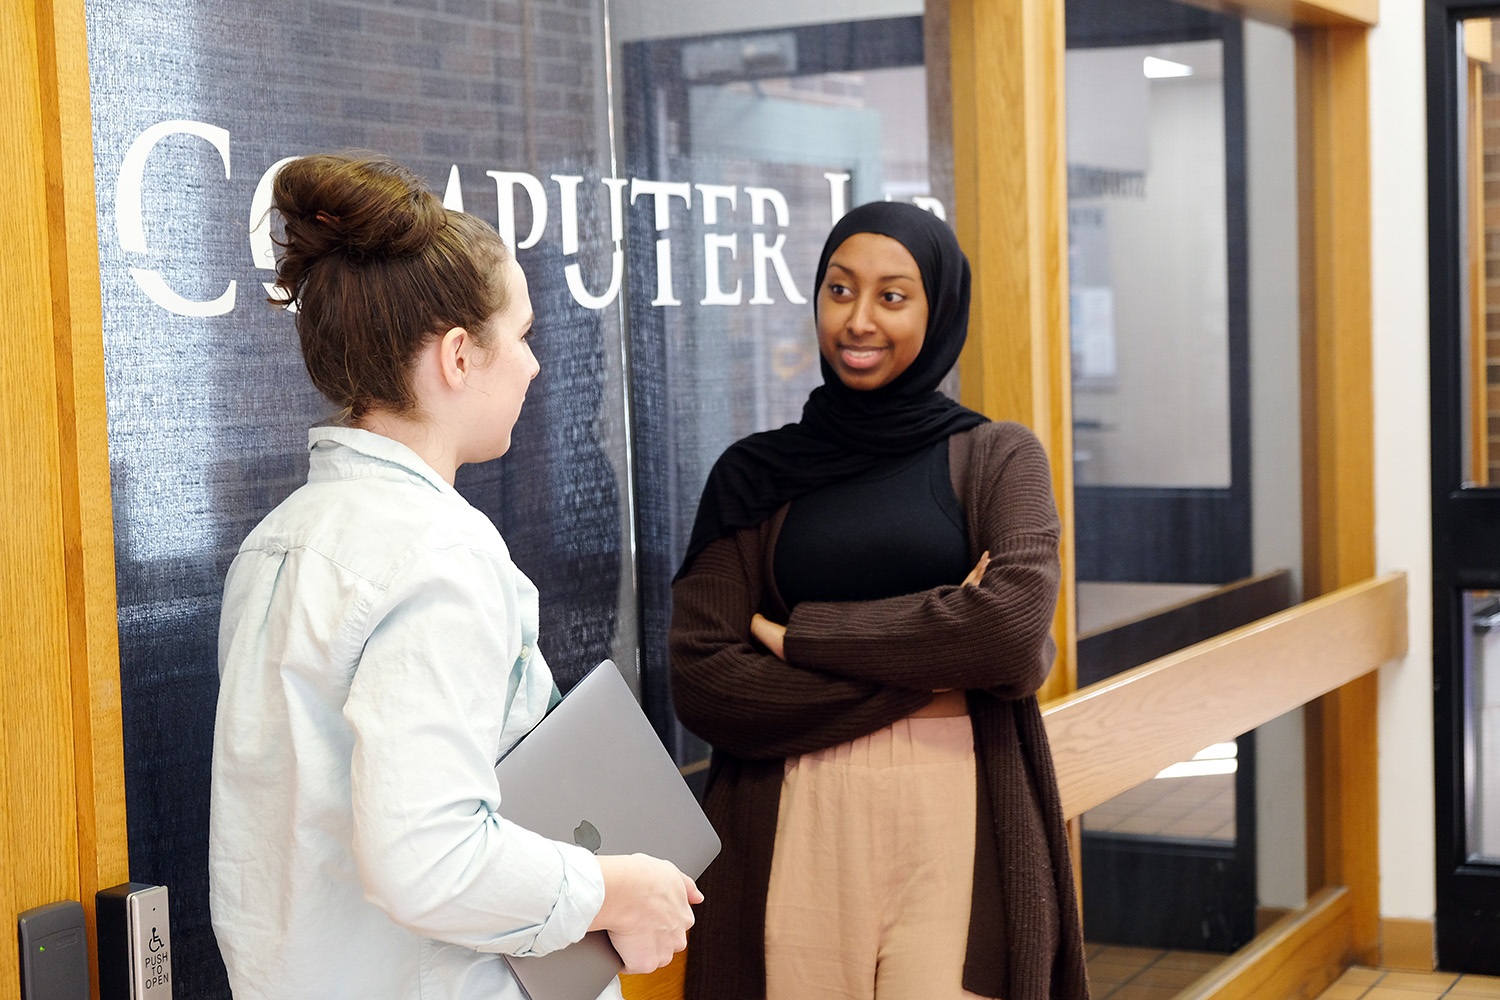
column 417, row 434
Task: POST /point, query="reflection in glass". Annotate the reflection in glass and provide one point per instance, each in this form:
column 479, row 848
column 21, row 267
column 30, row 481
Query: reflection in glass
column 1190, row 800
column 1482, row 724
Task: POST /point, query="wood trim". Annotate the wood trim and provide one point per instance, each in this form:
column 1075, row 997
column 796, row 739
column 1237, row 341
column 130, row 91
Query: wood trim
column 38, row 841
column 1298, row 956
column 1342, row 804
column 665, row 983
column 1408, row 945
column 88, row 515
column 1010, row 205
column 1338, row 372
column 57, row 597
column 1299, row 13
column 1479, row 42
column 1338, row 450
column 1479, row 435
column 1113, row 735
column 1267, row 916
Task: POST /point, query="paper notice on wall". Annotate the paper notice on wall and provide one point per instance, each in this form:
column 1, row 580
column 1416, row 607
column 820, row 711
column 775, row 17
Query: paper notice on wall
column 1093, row 332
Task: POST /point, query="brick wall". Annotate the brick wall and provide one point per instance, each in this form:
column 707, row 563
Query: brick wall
column 504, row 83
column 1491, row 251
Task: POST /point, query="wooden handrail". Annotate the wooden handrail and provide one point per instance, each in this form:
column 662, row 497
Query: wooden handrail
column 1304, row 13
column 1113, row 735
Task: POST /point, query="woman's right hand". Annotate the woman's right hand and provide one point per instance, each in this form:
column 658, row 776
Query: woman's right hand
column 771, row 635
column 647, row 909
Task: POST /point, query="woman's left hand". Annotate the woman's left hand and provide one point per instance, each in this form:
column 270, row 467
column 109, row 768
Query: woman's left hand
column 771, row 635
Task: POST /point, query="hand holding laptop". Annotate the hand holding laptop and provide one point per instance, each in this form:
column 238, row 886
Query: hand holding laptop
column 647, row 909
column 594, row 772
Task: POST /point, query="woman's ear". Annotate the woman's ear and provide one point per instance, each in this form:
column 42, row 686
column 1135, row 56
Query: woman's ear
column 454, row 350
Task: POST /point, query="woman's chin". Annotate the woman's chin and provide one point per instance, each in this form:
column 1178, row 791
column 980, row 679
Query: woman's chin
column 864, row 381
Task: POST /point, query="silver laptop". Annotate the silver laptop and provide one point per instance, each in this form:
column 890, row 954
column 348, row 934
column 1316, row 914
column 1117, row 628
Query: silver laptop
column 594, row 773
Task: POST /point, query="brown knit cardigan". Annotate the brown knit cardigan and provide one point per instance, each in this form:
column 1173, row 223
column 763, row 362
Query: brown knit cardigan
column 855, row 667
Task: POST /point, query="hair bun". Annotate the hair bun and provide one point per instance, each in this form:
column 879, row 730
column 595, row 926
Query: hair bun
column 359, row 204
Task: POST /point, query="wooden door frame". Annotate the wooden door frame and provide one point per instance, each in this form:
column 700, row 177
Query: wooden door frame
column 60, row 701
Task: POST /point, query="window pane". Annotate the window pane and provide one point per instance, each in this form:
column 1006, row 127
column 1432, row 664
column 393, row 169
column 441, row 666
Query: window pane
column 1148, row 283
column 1482, row 725
column 1183, row 287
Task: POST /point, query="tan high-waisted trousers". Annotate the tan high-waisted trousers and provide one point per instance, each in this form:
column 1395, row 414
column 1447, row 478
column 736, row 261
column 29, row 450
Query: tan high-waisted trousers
column 874, row 867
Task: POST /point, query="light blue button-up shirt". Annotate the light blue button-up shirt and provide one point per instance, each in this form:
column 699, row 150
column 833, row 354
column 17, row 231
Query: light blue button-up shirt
column 377, row 654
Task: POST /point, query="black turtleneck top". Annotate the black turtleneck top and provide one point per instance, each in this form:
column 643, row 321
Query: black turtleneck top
column 897, row 529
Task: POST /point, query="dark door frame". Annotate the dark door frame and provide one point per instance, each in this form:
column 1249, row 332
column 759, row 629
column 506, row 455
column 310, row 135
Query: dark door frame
column 1465, row 521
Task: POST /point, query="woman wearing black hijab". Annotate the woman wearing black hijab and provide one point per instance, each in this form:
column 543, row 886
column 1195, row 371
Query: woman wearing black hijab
column 859, row 629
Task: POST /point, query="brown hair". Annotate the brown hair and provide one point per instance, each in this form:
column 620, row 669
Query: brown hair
column 377, row 267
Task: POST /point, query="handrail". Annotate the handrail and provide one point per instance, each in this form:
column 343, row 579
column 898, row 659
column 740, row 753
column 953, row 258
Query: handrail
column 1300, row 13
column 1113, row 735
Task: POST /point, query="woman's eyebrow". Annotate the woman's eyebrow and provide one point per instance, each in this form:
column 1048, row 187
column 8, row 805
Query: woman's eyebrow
column 885, row 277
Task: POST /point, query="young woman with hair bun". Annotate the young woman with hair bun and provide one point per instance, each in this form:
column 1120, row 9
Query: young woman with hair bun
column 378, row 648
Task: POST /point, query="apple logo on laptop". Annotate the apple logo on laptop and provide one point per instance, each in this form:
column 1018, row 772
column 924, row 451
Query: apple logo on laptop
column 587, row 837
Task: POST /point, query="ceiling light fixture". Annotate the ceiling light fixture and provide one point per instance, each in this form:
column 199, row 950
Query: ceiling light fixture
column 1161, row 69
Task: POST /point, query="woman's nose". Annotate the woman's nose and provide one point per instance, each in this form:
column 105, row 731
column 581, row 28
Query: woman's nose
column 862, row 316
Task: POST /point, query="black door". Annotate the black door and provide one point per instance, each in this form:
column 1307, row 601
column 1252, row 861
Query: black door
column 1465, row 506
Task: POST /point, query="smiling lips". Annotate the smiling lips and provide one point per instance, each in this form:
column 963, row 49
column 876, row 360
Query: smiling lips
column 861, row 358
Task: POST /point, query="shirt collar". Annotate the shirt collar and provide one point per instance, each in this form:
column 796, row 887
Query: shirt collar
column 381, row 448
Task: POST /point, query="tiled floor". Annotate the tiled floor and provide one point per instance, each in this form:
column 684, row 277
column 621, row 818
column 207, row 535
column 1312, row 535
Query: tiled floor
column 1377, row 984
column 1120, row 973
column 1200, row 807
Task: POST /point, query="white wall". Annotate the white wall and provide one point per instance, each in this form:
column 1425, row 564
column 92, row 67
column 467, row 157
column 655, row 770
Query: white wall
column 1402, row 453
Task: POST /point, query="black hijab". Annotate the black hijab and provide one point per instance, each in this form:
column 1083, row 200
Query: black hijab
column 843, row 431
